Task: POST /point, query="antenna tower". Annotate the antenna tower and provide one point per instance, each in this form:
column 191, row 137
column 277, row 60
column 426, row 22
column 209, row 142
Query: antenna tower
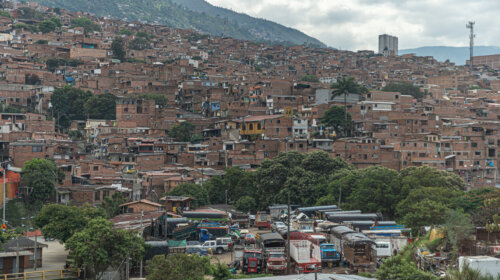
column 470, row 26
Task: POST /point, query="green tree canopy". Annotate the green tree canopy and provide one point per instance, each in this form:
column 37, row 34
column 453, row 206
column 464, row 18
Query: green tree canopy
column 126, row 32
column 404, row 88
column 61, row 222
column 118, row 48
column 111, row 205
column 42, row 175
column 310, row 78
column 88, row 25
column 71, row 103
column 198, row 192
column 100, row 246
column 139, row 43
column 335, row 117
column 182, row 132
column 246, row 204
column 424, row 213
column 57, row 21
column 235, row 181
column 102, row 106
column 160, row 99
column 47, row 26
column 178, row 266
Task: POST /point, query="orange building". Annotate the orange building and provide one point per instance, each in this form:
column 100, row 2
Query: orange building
column 12, row 180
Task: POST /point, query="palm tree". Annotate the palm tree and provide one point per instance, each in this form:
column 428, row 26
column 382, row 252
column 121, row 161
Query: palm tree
column 344, row 87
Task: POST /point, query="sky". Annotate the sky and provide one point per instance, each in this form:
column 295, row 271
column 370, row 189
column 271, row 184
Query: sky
column 356, row 24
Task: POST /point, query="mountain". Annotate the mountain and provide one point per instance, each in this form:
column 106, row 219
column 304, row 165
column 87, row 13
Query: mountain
column 455, row 54
column 191, row 14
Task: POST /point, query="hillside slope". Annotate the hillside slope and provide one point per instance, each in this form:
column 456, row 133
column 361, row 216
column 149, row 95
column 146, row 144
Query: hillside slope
column 191, row 14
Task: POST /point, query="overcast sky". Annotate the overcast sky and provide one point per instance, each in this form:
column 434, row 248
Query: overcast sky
column 356, row 24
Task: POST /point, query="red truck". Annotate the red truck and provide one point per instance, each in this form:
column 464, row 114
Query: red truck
column 253, row 261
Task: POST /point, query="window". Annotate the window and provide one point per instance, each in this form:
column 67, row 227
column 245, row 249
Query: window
column 96, row 167
column 259, row 126
column 36, row 149
column 243, row 127
column 473, row 145
column 291, row 145
column 301, row 145
column 250, row 127
column 277, row 130
column 477, row 153
column 97, row 196
column 278, row 121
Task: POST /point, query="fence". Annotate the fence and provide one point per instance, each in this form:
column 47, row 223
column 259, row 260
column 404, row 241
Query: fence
column 43, row 275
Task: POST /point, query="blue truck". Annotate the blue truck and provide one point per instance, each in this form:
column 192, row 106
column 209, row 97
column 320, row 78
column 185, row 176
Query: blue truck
column 329, row 254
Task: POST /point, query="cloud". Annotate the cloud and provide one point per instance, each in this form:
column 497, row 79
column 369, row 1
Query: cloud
column 356, row 24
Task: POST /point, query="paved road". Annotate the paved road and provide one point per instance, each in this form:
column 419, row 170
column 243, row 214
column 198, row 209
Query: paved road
column 54, row 257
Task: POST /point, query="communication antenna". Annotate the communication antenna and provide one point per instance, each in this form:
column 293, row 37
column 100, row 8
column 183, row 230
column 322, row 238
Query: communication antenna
column 470, row 26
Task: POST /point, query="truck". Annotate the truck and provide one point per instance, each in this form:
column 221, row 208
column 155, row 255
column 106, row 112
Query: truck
column 209, row 231
column 216, row 246
column 273, row 247
column 305, row 255
column 262, row 220
column 253, row 261
column 329, row 254
column 359, row 253
column 275, row 262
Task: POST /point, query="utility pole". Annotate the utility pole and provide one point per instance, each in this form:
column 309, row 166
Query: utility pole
column 470, row 26
column 36, row 245
column 4, row 171
column 17, row 254
column 288, row 264
column 142, row 236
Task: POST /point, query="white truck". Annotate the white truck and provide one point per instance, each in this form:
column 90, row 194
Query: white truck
column 305, row 255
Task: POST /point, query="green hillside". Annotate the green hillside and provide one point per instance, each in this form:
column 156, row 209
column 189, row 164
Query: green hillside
column 192, row 14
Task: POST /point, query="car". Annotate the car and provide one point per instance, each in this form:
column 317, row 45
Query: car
column 278, row 227
column 249, row 238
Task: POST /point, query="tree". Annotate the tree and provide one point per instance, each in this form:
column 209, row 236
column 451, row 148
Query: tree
column 326, row 200
column 424, row 213
column 374, row 190
column 32, row 79
column 178, row 266
column 102, row 106
column 182, row 132
column 100, row 246
column 198, row 192
column 126, row 32
column 159, row 98
column 335, row 117
column 458, row 227
column 42, row 175
column 68, row 103
column 61, row 222
column 310, row 78
column 139, row 43
column 404, row 88
column 344, row 87
column 399, row 267
column 87, row 24
column 236, row 183
column 246, row 204
column 47, row 26
column 111, row 205
column 117, row 46
column 57, row 21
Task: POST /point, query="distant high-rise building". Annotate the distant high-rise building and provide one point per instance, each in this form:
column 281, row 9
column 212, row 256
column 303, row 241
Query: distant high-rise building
column 388, row 45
